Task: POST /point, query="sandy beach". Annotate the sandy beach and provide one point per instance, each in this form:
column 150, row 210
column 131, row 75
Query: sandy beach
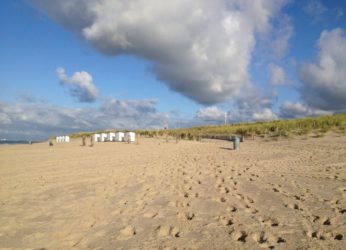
column 285, row 194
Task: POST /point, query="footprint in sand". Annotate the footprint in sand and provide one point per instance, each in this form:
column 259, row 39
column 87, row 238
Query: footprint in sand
column 260, row 237
column 316, row 235
column 338, row 236
column 239, row 236
column 187, row 215
column 225, row 221
column 326, row 222
column 270, row 222
column 150, row 215
column 249, row 200
column 231, row 209
column 239, row 196
column 164, row 231
column 342, row 211
column 128, row 231
column 224, row 190
column 280, row 240
column 251, row 210
column 294, row 206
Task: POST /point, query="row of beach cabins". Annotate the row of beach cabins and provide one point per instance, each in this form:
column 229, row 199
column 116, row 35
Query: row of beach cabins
column 105, row 137
column 118, row 136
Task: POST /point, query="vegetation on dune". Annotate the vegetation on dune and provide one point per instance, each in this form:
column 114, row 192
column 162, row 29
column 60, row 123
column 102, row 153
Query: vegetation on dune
column 312, row 126
column 316, row 126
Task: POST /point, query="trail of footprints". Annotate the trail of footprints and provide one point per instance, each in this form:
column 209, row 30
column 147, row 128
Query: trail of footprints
column 227, row 186
column 312, row 221
column 237, row 230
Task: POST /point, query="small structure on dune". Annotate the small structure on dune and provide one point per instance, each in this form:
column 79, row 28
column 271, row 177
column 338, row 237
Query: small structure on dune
column 104, row 137
column 130, row 137
column 111, row 136
column 96, row 137
column 64, row 138
column 119, row 136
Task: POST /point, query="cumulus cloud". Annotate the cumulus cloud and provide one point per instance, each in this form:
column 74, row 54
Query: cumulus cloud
column 35, row 121
column 210, row 114
column 277, row 75
column 199, row 48
column 315, row 9
column 298, row 110
column 80, row 85
column 324, row 81
column 266, row 114
column 281, row 36
column 253, row 105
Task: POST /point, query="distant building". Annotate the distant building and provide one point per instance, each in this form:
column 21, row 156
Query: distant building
column 104, row 137
column 119, row 136
column 96, row 137
column 111, row 136
column 130, row 137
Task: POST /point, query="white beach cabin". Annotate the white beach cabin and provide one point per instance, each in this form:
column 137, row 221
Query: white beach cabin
column 111, row 136
column 64, row 138
column 119, row 136
column 104, row 137
column 96, row 137
column 130, row 137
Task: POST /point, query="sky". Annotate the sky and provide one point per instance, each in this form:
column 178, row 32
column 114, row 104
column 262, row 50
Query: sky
column 77, row 65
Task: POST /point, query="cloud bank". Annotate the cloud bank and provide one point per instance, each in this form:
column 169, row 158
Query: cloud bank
column 199, row 48
column 298, row 110
column 211, row 114
column 37, row 120
column 277, row 75
column 253, row 105
column 324, row 81
column 80, row 85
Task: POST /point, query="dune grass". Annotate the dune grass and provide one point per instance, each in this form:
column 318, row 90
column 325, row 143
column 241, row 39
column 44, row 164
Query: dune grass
column 312, row 126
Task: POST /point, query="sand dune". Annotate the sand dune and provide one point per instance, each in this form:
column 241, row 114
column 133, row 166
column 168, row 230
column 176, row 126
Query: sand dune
column 287, row 194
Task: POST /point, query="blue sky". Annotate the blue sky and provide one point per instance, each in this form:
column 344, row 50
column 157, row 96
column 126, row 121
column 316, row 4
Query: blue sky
column 152, row 64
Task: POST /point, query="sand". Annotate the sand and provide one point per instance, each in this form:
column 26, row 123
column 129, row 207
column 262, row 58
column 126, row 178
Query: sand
column 286, row 194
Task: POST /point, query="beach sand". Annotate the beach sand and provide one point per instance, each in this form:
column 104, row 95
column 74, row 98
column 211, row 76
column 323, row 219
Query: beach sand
column 285, row 194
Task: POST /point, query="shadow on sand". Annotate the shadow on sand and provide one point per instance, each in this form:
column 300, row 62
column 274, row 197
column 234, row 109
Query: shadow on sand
column 226, row 148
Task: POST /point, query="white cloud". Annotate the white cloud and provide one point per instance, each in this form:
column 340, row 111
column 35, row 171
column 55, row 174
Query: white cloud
column 253, row 105
column 199, row 48
column 281, row 36
column 277, row 75
column 315, row 9
column 266, row 114
column 5, row 119
column 80, row 85
column 212, row 114
column 324, row 81
column 298, row 110
column 34, row 121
